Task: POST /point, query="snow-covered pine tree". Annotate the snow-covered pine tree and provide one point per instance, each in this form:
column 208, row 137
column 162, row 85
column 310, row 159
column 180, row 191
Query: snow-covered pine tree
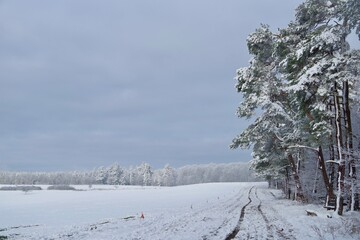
column 312, row 64
column 101, row 175
column 322, row 70
column 273, row 131
column 165, row 176
column 169, row 176
column 115, row 174
column 145, row 174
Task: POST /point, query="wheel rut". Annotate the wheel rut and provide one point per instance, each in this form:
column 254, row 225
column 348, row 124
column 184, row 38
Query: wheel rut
column 232, row 206
column 276, row 227
column 255, row 223
column 236, row 230
column 266, row 220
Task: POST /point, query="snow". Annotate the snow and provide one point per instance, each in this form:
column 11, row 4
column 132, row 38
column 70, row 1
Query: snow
column 202, row 211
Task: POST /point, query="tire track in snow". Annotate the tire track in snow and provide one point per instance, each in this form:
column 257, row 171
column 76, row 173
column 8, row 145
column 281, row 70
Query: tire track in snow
column 256, row 224
column 177, row 225
column 283, row 229
column 277, row 227
column 215, row 232
column 173, row 226
column 267, row 222
column 233, row 234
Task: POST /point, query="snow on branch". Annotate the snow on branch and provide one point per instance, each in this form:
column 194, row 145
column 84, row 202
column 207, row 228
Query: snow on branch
column 306, row 147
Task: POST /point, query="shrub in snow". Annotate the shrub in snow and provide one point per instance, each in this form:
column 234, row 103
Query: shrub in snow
column 20, row 188
column 61, row 187
column 29, row 188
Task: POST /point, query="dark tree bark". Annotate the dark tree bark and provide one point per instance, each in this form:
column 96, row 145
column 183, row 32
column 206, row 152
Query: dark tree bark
column 300, row 193
column 349, row 146
column 327, row 182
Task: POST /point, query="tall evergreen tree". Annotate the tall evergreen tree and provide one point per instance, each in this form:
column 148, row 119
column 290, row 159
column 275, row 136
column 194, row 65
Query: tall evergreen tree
column 302, row 82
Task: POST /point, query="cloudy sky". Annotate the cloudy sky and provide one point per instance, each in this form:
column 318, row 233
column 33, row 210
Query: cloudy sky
column 88, row 83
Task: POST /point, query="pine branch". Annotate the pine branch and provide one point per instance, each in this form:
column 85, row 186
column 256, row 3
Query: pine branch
column 306, row 147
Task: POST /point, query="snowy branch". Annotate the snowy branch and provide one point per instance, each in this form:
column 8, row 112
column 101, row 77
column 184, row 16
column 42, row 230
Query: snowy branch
column 306, row 147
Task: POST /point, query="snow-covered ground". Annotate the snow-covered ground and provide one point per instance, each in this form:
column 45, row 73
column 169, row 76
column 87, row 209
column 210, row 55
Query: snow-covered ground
column 203, row 211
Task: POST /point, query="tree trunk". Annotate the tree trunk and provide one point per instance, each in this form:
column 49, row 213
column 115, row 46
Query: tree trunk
column 332, row 152
column 316, row 178
column 339, row 144
column 287, row 189
column 349, row 146
column 300, row 194
column 327, row 182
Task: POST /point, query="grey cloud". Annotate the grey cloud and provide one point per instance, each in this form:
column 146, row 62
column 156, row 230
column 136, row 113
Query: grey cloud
column 88, row 83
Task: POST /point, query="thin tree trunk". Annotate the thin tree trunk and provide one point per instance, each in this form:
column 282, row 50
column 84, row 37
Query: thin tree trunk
column 332, row 152
column 314, row 191
column 287, row 189
column 339, row 143
column 349, row 146
column 327, row 182
column 300, row 194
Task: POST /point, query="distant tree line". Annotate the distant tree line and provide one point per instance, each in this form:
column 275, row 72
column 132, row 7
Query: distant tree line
column 302, row 91
column 143, row 175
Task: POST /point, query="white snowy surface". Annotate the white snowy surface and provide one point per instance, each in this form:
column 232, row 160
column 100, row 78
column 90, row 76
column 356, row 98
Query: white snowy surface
column 203, row 211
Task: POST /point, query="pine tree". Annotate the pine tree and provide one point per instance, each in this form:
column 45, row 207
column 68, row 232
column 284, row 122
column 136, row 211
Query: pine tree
column 320, row 65
column 101, row 175
column 302, row 82
column 145, row 174
column 115, row 175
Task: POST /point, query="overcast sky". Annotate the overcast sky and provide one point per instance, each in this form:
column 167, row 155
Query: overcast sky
column 88, row 83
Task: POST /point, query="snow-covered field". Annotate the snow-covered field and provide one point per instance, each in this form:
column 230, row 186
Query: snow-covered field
column 203, row 211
